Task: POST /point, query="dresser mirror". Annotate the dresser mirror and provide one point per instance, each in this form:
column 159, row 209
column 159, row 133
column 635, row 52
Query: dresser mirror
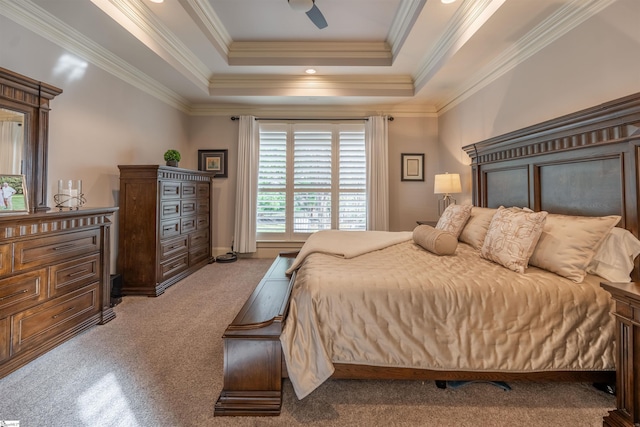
column 24, row 126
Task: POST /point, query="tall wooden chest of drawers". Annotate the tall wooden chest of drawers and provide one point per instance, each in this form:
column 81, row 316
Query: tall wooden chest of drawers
column 163, row 230
column 54, row 280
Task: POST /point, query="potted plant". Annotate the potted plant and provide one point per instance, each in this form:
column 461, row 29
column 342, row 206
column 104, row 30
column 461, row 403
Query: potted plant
column 172, row 157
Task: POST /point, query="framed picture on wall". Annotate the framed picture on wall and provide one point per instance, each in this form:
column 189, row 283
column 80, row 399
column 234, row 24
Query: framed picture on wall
column 13, row 194
column 213, row 161
column 412, row 167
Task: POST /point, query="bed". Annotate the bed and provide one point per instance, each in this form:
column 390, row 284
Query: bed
column 580, row 165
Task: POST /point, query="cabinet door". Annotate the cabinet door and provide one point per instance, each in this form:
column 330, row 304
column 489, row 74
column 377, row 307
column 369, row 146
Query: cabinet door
column 4, row 339
column 49, row 320
column 169, row 209
column 74, row 274
column 22, row 291
column 170, row 228
column 53, row 249
column 5, row 259
column 188, row 189
column 169, row 190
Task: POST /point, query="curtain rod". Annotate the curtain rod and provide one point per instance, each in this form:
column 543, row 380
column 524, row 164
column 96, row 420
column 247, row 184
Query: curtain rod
column 390, row 118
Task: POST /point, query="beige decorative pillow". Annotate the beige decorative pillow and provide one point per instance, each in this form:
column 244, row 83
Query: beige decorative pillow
column 512, row 236
column 477, row 225
column 436, row 241
column 454, row 218
column 568, row 243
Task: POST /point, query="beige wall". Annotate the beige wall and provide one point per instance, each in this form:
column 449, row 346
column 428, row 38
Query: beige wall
column 596, row 62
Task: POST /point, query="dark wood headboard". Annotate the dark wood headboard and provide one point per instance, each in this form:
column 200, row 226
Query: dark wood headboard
column 585, row 163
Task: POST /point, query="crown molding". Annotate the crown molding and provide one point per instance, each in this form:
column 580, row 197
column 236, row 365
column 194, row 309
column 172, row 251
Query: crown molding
column 37, row 20
column 402, row 24
column 468, row 19
column 209, row 23
column 135, row 17
column 293, row 85
column 310, row 53
column 315, row 111
column 560, row 23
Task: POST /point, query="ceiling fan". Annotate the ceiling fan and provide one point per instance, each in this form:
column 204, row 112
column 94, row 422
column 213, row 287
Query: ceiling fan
column 309, row 6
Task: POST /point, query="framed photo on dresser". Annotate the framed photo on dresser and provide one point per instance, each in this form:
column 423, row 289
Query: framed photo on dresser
column 13, row 194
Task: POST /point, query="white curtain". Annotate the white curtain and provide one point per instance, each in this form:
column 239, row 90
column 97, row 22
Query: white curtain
column 377, row 151
column 244, row 236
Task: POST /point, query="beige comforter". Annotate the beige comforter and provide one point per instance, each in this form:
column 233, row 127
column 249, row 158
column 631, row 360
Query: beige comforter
column 405, row 307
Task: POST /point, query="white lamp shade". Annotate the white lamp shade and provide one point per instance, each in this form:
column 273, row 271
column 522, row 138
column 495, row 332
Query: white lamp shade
column 301, row 5
column 447, row 183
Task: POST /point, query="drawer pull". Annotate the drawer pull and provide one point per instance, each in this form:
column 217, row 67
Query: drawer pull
column 24, row 291
column 78, row 273
column 60, row 314
column 168, row 227
column 69, row 245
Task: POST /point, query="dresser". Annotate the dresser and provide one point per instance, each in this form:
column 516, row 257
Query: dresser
column 627, row 314
column 164, row 231
column 54, row 280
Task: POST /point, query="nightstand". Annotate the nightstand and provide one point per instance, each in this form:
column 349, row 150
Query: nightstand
column 627, row 314
column 431, row 223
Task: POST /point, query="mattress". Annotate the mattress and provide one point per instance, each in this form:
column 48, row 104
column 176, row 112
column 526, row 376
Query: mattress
column 402, row 306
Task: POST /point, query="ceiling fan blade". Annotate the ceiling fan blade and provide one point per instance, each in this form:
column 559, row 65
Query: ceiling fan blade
column 316, row 17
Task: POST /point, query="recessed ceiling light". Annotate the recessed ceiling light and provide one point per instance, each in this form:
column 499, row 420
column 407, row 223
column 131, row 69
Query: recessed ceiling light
column 310, row 71
column 156, row 1
column 447, row 1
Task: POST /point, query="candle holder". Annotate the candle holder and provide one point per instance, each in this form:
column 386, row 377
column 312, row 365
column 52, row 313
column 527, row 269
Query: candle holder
column 69, row 194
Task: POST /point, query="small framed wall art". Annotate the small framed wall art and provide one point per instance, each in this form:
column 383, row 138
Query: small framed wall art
column 214, row 161
column 412, row 167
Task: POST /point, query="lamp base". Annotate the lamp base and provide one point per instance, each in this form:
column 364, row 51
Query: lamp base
column 444, row 203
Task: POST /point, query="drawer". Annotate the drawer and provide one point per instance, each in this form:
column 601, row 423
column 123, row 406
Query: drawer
column 188, row 189
column 22, row 291
column 169, row 190
column 198, row 254
column 173, row 247
column 203, row 190
column 72, row 275
column 170, row 268
column 169, row 228
column 36, row 326
column 4, row 339
column 202, row 222
column 189, row 207
column 169, row 209
column 5, row 259
column 198, row 238
column 188, row 224
column 202, row 206
column 53, row 249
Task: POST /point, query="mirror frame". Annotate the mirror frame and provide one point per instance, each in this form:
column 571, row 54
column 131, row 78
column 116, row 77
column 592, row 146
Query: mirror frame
column 32, row 98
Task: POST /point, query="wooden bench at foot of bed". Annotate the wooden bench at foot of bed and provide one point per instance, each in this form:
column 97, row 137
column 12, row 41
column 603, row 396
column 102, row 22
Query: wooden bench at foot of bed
column 252, row 354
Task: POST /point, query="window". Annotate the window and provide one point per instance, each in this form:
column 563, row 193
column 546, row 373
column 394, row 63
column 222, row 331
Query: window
column 312, row 176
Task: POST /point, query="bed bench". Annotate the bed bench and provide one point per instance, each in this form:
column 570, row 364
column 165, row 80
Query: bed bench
column 252, row 339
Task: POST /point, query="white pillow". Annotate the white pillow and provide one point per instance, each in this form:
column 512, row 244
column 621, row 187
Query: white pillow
column 454, row 218
column 614, row 259
column 512, row 236
column 569, row 242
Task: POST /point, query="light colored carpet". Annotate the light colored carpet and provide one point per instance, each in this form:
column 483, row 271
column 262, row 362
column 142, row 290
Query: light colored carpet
column 159, row 363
